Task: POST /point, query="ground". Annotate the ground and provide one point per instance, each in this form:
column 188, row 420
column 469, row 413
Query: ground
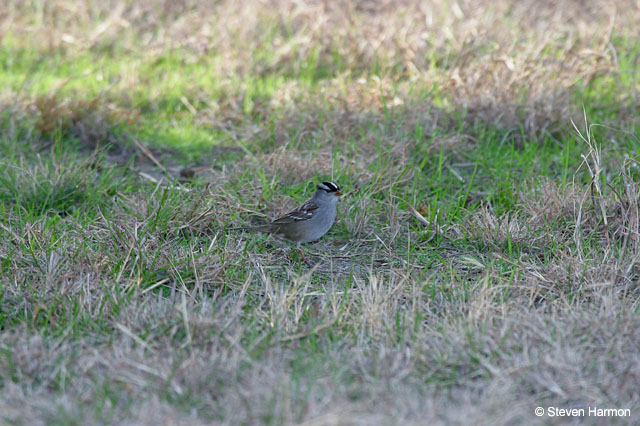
column 485, row 258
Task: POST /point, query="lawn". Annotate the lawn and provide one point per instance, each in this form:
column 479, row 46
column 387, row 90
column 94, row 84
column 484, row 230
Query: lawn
column 486, row 256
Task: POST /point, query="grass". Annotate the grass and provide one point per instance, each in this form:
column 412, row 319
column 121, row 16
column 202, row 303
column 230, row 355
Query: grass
column 484, row 262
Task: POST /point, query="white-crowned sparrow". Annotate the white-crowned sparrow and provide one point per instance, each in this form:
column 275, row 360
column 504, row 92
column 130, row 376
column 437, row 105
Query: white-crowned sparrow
column 309, row 221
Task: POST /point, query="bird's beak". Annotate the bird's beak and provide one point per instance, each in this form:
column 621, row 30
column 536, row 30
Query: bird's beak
column 338, row 194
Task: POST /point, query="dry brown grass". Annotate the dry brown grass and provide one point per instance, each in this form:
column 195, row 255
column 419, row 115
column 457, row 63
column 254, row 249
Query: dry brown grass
column 475, row 343
column 514, row 65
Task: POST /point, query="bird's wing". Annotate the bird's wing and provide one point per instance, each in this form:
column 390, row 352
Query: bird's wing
column 303, row 212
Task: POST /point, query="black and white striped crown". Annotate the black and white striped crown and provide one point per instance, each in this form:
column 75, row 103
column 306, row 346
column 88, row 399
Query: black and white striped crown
column 329, row 187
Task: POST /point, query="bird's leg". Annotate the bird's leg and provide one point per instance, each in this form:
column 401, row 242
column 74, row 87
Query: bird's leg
column 302, row 254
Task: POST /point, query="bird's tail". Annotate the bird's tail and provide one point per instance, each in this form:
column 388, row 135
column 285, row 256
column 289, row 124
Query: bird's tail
column 260, row 228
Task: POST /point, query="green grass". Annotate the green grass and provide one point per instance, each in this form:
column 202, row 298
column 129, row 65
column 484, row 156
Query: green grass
column 123, row 159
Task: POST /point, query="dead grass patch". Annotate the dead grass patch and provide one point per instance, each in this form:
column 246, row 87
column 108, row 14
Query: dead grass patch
column 516, row 72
